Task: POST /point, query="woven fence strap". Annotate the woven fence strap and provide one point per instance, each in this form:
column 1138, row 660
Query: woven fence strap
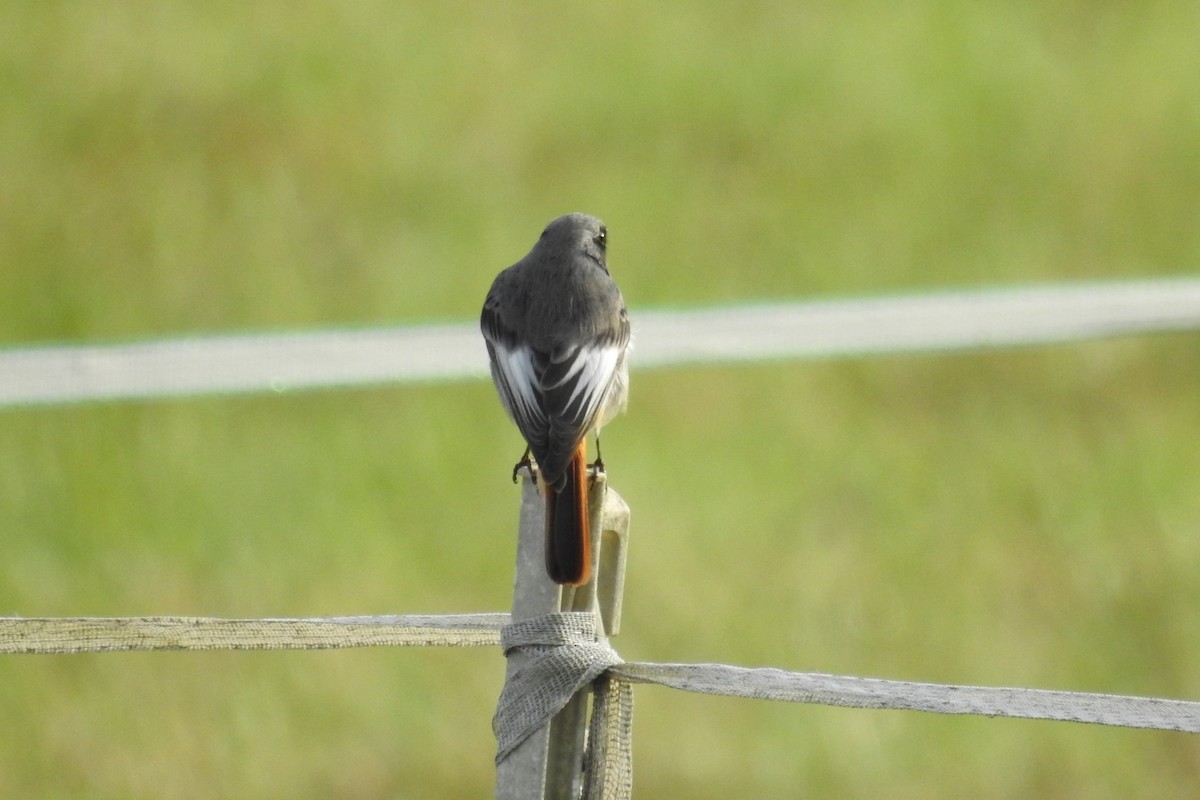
column 111, row 634
column 566, row 654
column 609, row 760
column 837, row 690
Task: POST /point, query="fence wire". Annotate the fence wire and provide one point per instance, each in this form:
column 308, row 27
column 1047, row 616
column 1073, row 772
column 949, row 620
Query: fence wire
column 278, row 362
column 62, row 635
column 569, row 653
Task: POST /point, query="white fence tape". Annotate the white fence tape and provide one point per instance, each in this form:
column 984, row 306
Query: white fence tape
column 813, row 329
column 568, row 644
column 60, row 635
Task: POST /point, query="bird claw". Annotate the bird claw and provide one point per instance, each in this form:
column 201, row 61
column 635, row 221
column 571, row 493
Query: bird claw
column 527, row 464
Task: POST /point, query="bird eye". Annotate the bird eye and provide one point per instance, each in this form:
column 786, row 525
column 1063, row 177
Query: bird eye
column 601, row 238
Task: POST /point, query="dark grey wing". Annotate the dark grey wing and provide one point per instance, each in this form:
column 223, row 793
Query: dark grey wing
column 575, row 383
column 516, row 378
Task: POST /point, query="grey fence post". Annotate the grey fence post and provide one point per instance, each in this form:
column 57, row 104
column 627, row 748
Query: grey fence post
column 549, row 764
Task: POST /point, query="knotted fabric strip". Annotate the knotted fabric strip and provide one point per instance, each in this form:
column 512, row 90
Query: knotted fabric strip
column 609, row 774
column 567, row 653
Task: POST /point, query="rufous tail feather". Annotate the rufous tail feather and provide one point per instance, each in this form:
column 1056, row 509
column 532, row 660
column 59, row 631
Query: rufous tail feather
column 568, row 539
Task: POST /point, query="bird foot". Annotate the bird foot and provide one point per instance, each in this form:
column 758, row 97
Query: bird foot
column 526, row 464
column 597, row 468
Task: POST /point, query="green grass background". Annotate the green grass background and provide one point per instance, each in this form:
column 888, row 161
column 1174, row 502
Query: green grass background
column 1024, row 517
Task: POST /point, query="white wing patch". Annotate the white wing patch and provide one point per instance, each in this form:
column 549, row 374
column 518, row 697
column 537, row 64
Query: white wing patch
column 590, row 374
column 520, row 380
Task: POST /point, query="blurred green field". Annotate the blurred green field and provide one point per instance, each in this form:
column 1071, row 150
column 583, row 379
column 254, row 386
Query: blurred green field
column 1025, row 517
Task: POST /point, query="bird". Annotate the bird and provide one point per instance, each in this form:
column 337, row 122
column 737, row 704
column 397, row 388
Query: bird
column 557, row 334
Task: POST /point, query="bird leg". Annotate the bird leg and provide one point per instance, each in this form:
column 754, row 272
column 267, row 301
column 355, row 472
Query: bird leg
column 597, row 466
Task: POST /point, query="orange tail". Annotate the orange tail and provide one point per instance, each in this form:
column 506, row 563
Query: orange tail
column 568, row 540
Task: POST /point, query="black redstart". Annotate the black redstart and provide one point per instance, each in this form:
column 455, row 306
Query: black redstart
column 557, row 333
